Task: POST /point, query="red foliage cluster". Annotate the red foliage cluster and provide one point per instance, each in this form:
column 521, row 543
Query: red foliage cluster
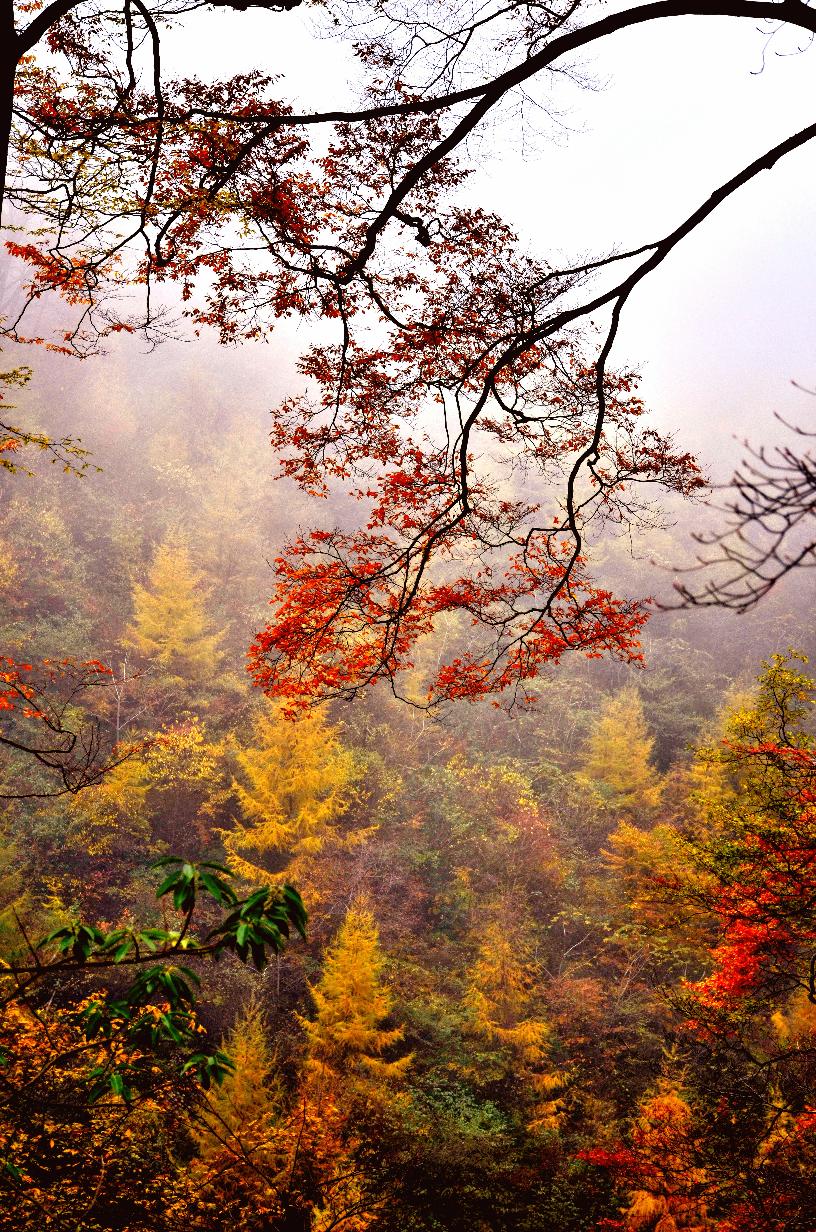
column 446, row 531
column 17, row 689
column 766, row 905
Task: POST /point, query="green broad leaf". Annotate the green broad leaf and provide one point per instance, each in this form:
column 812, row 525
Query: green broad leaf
column 219, row 868
column 165, row 860
column 191, row 975
column 167, row 885
column 171, row 1029
column 113, row 938
column 119, row 1087
column 223, row 894
column 210, row 1069
column 57, row 935
column 295, row 909
column 177, row 989
column 193, row 1062
column 271, row 934
column 149, row 937
column 255, row 902
column 94, row 1017
column 181, row 897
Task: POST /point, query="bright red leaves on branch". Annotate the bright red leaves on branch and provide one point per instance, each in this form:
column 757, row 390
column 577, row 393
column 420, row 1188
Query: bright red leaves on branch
column 444, row 462
column 484, row 434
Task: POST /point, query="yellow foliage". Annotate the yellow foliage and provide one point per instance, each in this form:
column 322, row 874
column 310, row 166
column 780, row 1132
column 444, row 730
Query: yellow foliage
column 499, row 993
column 243, row 1113
column 795, row 1025
column 183, row 753
column 669, row 1198
column 346, row 1038
column 9, row 569
column 185, row 780
column 63, row 1147
column 170, row 791
column 781, row 1129
column 170, row 627
column 110, row 818
column 714, row 784
column 295, row 786
column 13, row 896
column 654, row 878
column 778, row 710
column 500, row 1000
column 618, row 753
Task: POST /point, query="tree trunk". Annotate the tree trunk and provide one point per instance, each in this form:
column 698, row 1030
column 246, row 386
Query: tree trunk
column 8, row 67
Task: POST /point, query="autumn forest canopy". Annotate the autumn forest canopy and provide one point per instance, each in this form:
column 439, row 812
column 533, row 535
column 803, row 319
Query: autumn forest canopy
column 407, row 742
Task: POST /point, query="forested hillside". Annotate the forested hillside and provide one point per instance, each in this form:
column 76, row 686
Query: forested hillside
column 407, row 742
column 557, row 972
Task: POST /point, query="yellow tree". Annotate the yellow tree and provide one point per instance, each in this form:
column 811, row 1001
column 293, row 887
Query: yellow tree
column 777, row 711
column 170, row 626
column 108, row 818
column 294, row 787
column 240, row 1119
column 14, row 895
column 240, row 1172
column 500, row 1002
column 618, row 756
column 174, row 790
column 347, row 1079
column 653, row 885
column 670, row 1196
column 346, row 1038
column 103, row 831
column 187, row 789
column 263, row 1159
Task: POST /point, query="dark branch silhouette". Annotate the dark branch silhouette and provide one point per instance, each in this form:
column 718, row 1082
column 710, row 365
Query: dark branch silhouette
column 769, row 529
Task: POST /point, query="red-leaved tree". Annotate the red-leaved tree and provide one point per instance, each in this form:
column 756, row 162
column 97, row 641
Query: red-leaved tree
column 465, row 402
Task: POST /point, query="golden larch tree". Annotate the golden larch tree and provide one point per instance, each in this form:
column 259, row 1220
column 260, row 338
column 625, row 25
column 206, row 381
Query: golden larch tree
column 500, row 1001
column 241, row 1114
column 346, row 1038
column 347, row 1080
column 244, row 1145
column 618, row 756
column 670, row 1196
column 170, row 626
column 294, row 787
